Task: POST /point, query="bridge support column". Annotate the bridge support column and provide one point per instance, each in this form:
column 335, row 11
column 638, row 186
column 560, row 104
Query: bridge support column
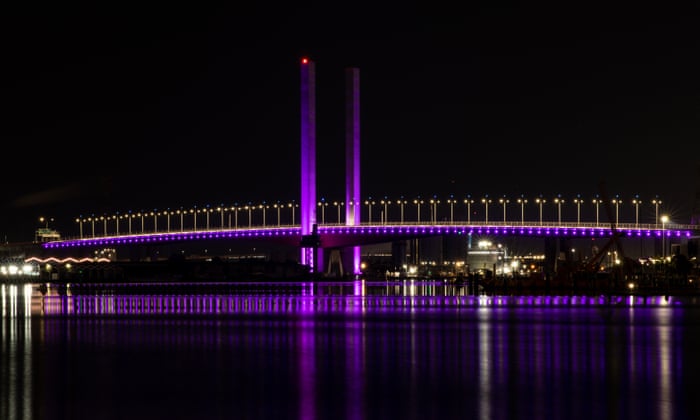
column 550, row 258
column 398, row 254
column 413, row 253
column 335, row 264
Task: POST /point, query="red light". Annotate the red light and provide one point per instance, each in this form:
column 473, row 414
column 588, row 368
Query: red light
column 304, row 60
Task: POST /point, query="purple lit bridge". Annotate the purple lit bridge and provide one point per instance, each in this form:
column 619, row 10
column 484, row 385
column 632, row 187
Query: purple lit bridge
column 316, row 240
column 339, row 236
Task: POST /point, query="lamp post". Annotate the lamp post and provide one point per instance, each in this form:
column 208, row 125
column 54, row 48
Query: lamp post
column 236, row 207
column 616, row 202
column 664, row 220
column 578, row 202
column 292, row 205
column 486, row 200
column 79, row 220
column 636, row 201
column 278, row 208
column 540, row 201
column 338, row 205
column 369, row 203
column 402, row 203
column 558, row 200
column 264, row 207
column 249, row 207
column 322, row 205
column 451, row 202
column 92, row 223
column 656, row 202
column 522, row 202
column 596, row 201
column 385, row 203
column 433, row 209
column 418, row 202
column 504, row 201
column 468, row 201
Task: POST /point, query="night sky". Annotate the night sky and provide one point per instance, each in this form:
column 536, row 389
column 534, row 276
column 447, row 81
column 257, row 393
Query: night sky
column 107, row 109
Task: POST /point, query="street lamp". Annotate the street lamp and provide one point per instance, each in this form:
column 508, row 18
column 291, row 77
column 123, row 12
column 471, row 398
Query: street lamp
column 79, row 220
column 522, row 202
column 264, row 208
column 433, row 209
column 558, row 200
column 236, row 207
column 664, row 220
column 338, row 205
column 402, row 204
column 504, row 201
column 451, row 201
column 616, row 201
column 292, row 205
column 322, row 204
column 468, row 201
column 418, row 202
column 486, row 200
column 385, row 202
column 278, row 207
column 578, row 202
column 369, row 203
column 540, row 201
column 656, row 202
column 636, row 201
column 596, row 201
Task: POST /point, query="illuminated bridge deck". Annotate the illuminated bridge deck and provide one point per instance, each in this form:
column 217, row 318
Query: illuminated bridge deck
column 341, row 235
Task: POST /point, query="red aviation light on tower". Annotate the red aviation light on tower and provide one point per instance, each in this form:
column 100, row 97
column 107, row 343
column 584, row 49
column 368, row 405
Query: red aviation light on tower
column 304, row 60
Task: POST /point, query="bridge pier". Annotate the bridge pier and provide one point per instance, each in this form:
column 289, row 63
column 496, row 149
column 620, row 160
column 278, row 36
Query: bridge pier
column 398, row 253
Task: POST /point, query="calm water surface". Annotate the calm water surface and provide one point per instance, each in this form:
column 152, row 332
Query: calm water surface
column 356, row 350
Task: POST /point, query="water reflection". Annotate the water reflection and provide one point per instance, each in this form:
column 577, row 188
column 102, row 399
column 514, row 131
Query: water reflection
column 360, row 350
column 264, row 298
column 16, row 338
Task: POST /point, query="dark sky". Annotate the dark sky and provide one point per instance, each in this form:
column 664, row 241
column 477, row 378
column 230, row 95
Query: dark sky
column 111, row 108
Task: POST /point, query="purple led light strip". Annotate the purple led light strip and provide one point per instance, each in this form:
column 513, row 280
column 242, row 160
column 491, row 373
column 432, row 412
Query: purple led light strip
column 396, row 231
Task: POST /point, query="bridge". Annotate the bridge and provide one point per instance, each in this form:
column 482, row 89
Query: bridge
column 359, row 222
column 338, row 236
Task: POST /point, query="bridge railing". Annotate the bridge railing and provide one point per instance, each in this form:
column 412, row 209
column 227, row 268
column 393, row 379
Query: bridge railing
column 474, row 223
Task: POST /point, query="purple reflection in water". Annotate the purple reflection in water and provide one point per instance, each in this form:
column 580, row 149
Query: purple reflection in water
column 316, row 354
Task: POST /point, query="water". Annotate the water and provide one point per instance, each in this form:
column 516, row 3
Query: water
column 356, row 350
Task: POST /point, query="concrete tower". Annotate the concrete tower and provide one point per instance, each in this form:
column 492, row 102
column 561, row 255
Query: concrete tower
column 352, row 158
column 308, row 163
